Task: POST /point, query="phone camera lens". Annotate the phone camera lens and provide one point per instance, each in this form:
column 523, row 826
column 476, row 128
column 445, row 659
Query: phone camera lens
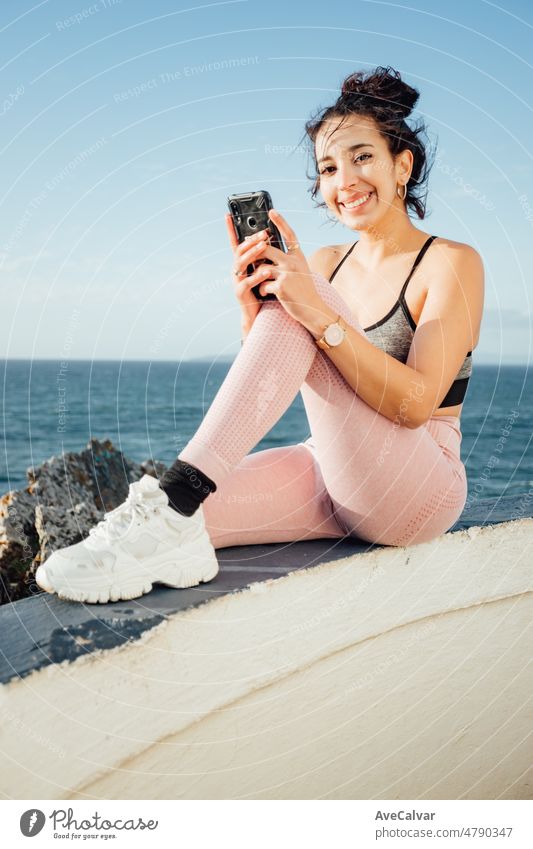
column 252, row 222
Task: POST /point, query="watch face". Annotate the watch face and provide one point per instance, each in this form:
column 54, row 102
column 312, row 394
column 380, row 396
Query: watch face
column 334, row 334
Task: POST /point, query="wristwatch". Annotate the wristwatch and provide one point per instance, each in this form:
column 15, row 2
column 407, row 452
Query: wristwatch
column 333, row 335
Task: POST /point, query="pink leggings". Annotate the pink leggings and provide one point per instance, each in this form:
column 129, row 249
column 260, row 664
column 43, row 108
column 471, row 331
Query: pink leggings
column 360, row 474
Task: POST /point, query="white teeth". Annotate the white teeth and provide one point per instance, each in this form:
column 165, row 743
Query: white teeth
column 357, row 202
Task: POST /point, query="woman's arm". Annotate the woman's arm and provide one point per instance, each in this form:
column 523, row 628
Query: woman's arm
column 447, row 329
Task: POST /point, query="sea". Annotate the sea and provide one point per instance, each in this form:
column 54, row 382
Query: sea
column 149, row 410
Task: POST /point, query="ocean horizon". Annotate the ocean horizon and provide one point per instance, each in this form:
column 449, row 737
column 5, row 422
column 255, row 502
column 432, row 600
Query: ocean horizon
column 150, row 409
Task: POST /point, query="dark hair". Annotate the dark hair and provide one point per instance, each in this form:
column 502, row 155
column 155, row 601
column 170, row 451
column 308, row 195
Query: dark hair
column 382, row 95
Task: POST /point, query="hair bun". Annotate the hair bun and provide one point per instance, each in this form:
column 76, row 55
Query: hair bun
column 384, row 86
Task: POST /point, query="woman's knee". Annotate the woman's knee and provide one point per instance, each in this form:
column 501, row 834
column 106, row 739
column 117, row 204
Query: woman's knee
column 333, row 299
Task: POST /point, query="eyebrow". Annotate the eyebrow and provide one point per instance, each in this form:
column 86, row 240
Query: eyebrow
column 349, row 149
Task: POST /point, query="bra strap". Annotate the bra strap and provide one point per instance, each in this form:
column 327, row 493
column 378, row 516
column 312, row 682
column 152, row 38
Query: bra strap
column 346, row 255
column 417, row 262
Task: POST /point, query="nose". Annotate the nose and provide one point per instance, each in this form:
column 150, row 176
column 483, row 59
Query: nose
column 346, row 175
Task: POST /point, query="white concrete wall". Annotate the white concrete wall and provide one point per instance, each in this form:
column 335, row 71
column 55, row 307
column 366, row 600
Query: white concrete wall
column 400, row 673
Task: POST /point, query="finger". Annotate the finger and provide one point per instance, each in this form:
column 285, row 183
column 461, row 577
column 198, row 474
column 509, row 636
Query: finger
column 268, row 288
column 234, row 242
column 289, row 236
column 253, row 240
column 262, row 273
column 251, row 255
column 266, row 251
column 282, row 225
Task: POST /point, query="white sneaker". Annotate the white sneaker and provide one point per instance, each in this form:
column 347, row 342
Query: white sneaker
column 142, row 542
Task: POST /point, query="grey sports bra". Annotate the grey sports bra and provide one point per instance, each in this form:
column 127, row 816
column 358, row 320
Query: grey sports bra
column 394, row 333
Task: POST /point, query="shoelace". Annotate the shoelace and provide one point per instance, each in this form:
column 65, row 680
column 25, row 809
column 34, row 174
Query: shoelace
column 117, row 522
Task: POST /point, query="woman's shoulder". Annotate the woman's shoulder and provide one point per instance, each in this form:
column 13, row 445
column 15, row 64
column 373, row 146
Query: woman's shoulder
column 450, row 262
column 454, row 251
column 456, row 271
column 329, row 252
column 445, row 253
column 324, row 259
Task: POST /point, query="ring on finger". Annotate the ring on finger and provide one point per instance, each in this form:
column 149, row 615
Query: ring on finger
column 239, row 273
column 293, row 247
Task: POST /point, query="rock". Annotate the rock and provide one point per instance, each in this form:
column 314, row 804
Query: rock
column 60, row 526
column 65, row 498
column 153, row 468
column 19, row 543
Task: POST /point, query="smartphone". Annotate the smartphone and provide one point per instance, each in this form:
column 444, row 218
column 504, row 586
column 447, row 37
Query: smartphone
column 249, row 212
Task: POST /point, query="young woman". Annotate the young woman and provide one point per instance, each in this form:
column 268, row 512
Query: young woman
column 377, row 335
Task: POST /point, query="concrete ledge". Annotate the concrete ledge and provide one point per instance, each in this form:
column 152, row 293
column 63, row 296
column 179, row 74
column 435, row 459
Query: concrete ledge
column 321, row 669
column 36, row 632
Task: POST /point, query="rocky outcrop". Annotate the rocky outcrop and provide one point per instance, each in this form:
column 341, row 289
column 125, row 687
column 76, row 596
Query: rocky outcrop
column 65, row 497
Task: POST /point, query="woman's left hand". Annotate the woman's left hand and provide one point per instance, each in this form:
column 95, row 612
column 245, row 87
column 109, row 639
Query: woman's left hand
column 292, row 282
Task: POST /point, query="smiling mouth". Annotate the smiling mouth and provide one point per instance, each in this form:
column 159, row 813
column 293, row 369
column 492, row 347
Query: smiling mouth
column 359, row 202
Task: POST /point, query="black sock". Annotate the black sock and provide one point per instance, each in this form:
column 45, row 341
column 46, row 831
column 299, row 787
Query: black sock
column 186, row 487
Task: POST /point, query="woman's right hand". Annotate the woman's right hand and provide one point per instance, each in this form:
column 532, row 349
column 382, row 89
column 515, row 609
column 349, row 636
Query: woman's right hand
column 245, row 253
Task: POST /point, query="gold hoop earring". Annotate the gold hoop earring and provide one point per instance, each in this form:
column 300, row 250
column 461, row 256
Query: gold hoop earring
column 402, row 197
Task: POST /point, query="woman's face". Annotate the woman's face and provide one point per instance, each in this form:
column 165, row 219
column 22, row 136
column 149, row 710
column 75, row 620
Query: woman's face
column 358, row 175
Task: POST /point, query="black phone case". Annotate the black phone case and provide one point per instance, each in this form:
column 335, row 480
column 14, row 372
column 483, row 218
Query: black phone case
column 249, row 212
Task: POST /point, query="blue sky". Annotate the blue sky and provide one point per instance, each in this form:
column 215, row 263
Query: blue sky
column 127, row 124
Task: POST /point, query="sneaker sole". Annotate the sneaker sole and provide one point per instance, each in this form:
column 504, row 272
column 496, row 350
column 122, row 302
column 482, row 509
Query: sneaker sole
column 173, row 575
